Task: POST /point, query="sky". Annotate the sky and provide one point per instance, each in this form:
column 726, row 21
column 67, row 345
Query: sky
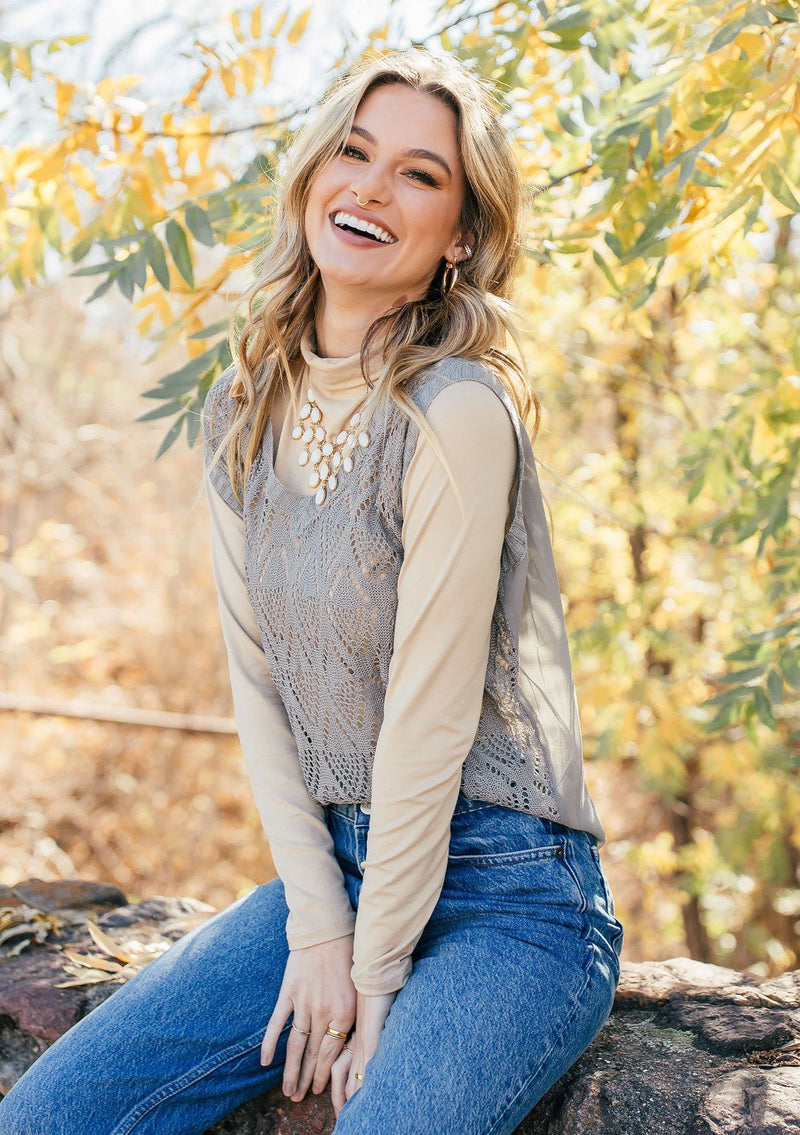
column 154, row 38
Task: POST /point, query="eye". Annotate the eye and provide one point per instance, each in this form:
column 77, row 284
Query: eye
column 422, row 175
column 352, row 151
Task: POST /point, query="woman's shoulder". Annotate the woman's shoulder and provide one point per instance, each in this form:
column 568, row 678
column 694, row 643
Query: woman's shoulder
column 466, row 404
column 218, row 407
column 466, row 380
column 219, row 410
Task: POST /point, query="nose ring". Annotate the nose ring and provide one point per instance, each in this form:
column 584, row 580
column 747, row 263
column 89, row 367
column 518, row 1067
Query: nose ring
column 360, row 202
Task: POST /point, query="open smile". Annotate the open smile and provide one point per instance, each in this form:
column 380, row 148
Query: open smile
column 356, row 231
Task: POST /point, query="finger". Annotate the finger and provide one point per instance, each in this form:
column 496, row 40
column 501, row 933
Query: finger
column 307, row 1069
column 352, row 1083
column 325, row 1062
column 295, row 1047
column 339, row 1073
column 318, row 1060
column 283, row 1007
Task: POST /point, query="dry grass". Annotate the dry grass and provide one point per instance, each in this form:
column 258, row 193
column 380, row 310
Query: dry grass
column 109, row 597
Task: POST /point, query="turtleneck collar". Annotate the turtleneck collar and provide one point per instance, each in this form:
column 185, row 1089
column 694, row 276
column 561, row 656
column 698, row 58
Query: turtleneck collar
column 335, row 378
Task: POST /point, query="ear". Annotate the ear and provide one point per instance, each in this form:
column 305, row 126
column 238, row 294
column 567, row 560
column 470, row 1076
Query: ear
column 456, row 252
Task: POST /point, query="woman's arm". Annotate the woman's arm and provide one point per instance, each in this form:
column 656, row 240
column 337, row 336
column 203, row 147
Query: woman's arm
column 447, row 590
column 301, row 845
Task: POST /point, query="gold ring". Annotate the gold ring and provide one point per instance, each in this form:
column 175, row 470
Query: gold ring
column 359, row 1076
column 334, row 1032
column 303, row 1031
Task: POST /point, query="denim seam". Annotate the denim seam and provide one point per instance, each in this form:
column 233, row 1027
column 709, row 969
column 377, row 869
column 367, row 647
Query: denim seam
column 567, row 858
column 557, row 1043
column 524, row 855
column 173, row 1087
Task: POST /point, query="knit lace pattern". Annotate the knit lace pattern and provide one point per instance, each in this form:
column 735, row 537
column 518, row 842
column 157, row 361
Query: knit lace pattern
column 322, row 581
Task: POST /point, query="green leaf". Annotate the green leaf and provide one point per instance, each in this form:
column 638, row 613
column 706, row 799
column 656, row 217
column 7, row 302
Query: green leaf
column 604, row 268
column 663, row 121
column 101, row 289
column 211, row 330
column 95, row 269
column 589, row 111
column 763, row 708
column 568, row 123
column 170, row 436
column 643, row 145
column 745, row 653
column 197, row 224
column 615, row 244
column 179, row 247
column 742, row 676
column 124, row 277
column 138, row 263
column 728, row 33
column 774, row 181
column 790, row 668
column 775, row 687
column 735, row 694
column 184, row 379
column 171, row 407
column 157, row 260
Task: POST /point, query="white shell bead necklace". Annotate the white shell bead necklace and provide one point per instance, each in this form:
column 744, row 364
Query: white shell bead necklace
column 329, row 456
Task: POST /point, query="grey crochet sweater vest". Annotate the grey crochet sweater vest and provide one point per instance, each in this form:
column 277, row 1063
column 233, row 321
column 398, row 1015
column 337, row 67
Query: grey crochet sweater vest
column 322, row 581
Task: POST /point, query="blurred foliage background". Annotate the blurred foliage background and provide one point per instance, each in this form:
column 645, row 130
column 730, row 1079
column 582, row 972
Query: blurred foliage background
column 659, row 142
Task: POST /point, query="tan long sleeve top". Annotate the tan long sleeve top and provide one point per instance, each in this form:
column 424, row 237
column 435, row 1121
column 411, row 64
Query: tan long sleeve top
column 283, row 569
column 446, row 593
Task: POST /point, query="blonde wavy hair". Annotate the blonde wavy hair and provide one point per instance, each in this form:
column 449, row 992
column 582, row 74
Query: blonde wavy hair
column 473, row 320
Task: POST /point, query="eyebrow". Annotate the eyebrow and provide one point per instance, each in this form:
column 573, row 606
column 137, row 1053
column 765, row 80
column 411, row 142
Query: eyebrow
column 413, row 153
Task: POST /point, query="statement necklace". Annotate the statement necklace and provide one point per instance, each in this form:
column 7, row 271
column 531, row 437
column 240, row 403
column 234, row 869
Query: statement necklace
column 330, row 456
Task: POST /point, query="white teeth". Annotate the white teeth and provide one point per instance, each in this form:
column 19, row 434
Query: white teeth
column 364, row 226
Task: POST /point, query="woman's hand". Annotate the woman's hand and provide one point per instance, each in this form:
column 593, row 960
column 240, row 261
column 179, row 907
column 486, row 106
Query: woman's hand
column 318, row 989
column 371, row 1013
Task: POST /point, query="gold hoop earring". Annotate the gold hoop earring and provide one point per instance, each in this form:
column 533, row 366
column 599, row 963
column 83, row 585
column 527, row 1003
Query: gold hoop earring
column 449, row 276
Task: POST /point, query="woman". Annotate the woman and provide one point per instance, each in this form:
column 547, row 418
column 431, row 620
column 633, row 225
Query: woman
column 440, row 943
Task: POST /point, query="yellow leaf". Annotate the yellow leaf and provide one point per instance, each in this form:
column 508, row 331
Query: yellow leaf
column 263, row 58
column 191, row 97
column 92, row 977
column 299, row 26
column 144, row 324
column 247, row 70
column 255, row 22
column 236, row 24
column 281, row 20
column 228, row 80
column 106, row 943
column 93, row 962
column 66, row 203
column 22, row 58
column 764, row 442
column 64, row 93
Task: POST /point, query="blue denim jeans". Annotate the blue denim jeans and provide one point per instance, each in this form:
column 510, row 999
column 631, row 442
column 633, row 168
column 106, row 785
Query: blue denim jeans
column 513, row 977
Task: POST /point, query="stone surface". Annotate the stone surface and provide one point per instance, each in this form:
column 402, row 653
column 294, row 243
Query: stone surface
column 689, row 1049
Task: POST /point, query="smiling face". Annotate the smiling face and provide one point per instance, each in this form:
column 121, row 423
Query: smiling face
column 402, row 160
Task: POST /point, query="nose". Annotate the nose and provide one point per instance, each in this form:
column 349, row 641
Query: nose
column 370, row 187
